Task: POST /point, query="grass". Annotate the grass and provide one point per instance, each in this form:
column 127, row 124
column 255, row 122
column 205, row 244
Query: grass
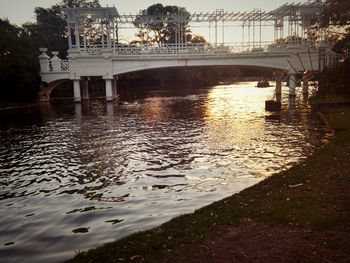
column 330, row 98
column 314, row 195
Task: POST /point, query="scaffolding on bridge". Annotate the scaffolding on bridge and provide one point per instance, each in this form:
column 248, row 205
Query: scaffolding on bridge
column 289, row 22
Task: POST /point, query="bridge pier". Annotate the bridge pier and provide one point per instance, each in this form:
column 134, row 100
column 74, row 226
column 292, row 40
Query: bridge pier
column 109, row 90
column 278, row 89
column 114, row 87
column 76, row 87
column 305, row 85
column 292, row 84
column 85, row 89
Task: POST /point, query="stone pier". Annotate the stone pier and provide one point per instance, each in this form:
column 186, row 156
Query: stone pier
column 76, row 87
column 292, row 84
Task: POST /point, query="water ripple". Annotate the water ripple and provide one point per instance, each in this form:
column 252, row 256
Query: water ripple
column 102, row 171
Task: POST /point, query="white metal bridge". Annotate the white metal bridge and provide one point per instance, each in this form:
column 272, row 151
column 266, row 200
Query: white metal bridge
column 291, row 48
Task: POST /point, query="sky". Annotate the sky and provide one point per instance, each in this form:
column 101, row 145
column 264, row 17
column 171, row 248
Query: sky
column 21, row 11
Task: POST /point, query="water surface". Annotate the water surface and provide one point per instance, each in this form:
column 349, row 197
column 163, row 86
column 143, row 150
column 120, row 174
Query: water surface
column 74, row 176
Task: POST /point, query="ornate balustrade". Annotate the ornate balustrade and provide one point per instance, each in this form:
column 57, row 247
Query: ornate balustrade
column 95, row 50
column 176, row 49
column 64, row 65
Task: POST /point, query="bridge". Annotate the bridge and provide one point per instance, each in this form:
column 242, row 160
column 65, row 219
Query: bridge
column 296, row 52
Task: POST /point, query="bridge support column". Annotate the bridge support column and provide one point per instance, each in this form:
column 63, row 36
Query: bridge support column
column 85, row 89
column 77, row 94
column 109, row 90
column 278, row 89
column 305, row 85
column 292, row 84
column 114, row 87
column 278, row 85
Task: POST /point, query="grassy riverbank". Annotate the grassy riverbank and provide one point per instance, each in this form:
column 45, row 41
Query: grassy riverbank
column 301, row 215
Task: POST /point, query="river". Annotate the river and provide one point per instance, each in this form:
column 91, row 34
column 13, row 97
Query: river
column 74, row 176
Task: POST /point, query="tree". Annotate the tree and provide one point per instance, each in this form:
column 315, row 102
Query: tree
column 80, row 3
column 336, row 20
column 166, row 23
column 50, row 28
column 19, row 67
column 336, row 14
column 197, row 39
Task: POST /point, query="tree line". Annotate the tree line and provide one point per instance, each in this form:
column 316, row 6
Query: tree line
column 335, row 20
column 19, row 48
column 19, row 67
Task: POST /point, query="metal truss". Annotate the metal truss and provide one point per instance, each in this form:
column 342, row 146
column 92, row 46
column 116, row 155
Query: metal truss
column 292, row 11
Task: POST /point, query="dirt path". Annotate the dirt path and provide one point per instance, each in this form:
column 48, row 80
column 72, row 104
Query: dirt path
column 258, row 242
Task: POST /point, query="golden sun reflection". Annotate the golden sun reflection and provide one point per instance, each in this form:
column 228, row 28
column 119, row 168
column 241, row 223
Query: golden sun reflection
column 155, row 110
column 235, row 122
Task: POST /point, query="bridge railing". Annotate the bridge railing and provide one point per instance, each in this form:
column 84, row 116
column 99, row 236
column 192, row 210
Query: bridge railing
column 64, row 65
column 58, row 65
column 94, row 50
column 178, row 49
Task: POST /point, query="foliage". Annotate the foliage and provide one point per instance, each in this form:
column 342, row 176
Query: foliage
column 197, row 39
column 92, row 33
column 164, row 31
column 19, row 46
column 80, row 3
column 50, row 28
column 18, row 65
column 336, row 81
column 337, row 13
column 336, row 20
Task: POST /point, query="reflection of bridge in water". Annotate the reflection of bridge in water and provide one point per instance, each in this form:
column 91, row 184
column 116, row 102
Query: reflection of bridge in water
column 294, row 53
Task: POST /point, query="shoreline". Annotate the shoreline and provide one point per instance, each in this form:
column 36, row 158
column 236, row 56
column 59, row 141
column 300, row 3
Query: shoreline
column 288, row 217
column 15, row 107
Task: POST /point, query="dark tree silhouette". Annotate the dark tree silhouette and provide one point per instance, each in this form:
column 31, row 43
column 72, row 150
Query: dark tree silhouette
column 164, row 30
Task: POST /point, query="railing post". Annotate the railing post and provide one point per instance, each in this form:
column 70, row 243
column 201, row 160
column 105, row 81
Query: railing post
column 77, row 38
column 44, row 60
column 108, row 37
column 69, row 36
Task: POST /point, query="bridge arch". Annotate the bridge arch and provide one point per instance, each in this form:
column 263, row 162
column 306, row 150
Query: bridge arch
column 128, row 66
column 46, row 90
